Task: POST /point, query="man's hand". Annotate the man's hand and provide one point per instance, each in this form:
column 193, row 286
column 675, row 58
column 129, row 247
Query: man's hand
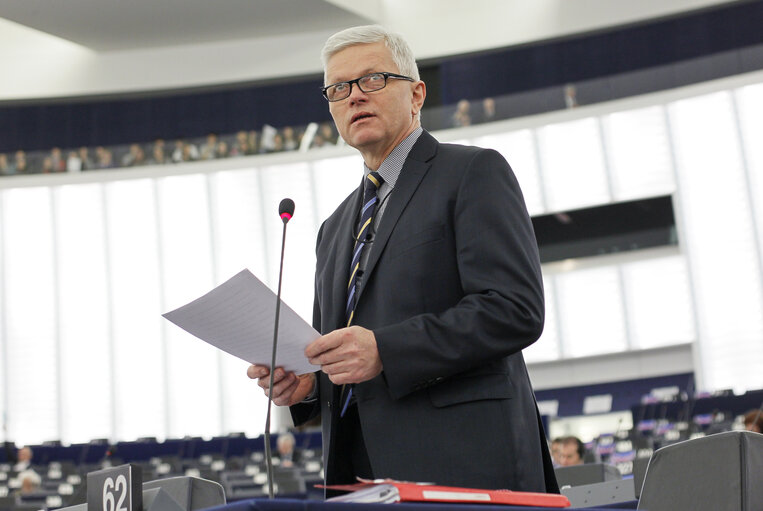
column 288, row 388
column 347, row 355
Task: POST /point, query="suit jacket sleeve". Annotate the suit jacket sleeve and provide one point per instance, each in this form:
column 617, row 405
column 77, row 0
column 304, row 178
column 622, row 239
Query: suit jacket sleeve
column 501, row 310
column 303, row 412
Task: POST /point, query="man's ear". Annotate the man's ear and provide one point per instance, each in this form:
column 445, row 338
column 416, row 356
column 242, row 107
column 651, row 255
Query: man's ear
column 419, row 95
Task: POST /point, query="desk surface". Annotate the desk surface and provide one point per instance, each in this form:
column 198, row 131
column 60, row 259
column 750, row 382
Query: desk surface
column 315, row 505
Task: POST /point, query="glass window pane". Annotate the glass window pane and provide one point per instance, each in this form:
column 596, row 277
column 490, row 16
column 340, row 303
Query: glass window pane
column 244, row 403
column 335, row 179
column 750, row 106
column 238, row 214
column 639, row 154
column 591, row 312
column 572, row 165
column 658, row 302
column 239, row 234
column 3, row 336
column 85, row 348
column 30, row 306
column 518, row 148
column 193, row 377
column 296, row 182
column 719, row 234
column 133, row 262
column 547, row 347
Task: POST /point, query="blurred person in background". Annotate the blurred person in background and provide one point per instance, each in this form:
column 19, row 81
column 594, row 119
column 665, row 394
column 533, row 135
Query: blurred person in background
column 20, row 164
column 572, row 452
column 221, row 151
column 286, row 446
column 328, row 133
column 84, row 156
column 158, row 154
column 23, row 459
column 135, row 157
column 556, row 451
column 290, row 141
column 488, row 113
column 5, row 168
column 241, row 146
column 104, row 158
column 753, row 421
column 57, row 158
column 47, row 165
column 208, row 148
column 184, row 151
column 254, row 140
column 461, row 116
column 30, row 482
column 73, row 162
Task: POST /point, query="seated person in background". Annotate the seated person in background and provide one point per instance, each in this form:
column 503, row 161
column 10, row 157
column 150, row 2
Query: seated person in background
column 209, row 148
column 30, row 482
column 290, row 139
column 461, row 117
column 556, row 451
column 753, row 421
column 104, row 158
column 572, row 452
column 286, row 449
column 135, row 157
column 222, row 149
column 23, row 459
column 242, row 146
column 20, row 164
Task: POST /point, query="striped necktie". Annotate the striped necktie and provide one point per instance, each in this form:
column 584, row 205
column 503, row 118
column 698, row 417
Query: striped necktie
column 371, row 185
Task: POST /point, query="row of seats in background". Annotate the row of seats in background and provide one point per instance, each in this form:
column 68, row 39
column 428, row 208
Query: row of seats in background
column 659, row 423
column 236, row 462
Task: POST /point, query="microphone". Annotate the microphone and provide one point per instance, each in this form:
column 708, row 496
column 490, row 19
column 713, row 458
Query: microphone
column 285, row 211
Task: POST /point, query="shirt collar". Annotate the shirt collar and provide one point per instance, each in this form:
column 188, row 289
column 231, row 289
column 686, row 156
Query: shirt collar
column 393, row 163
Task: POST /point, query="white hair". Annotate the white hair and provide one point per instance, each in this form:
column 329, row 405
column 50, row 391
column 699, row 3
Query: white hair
column 401, row 53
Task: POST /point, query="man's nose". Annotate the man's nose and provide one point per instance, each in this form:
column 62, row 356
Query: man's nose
column 356, row 94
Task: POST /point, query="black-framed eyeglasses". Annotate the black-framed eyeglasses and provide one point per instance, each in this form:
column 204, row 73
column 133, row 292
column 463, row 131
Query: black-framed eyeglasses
column 367, row 83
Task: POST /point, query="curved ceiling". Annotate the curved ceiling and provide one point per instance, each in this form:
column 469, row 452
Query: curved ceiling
column 90, row 47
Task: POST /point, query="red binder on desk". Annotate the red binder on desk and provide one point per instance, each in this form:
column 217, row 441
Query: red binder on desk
column 396, row 491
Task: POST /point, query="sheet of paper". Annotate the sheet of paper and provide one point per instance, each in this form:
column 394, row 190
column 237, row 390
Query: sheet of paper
column 238, row 317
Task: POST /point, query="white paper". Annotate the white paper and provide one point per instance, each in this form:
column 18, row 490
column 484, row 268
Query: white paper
column 238, row 317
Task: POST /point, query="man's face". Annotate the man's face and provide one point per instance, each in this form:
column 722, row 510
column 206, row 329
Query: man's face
column 556, row 452
column 569, row 455
column 374, row 122
column 25, row 454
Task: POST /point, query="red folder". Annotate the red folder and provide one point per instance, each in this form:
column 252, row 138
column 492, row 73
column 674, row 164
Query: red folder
column 423, row 492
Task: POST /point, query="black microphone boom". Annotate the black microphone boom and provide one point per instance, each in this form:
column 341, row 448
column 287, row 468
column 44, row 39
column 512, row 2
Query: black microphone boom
column 285, row 211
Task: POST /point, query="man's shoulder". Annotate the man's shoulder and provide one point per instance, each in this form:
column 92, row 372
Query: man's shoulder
column 331, row 224
column 460, row 156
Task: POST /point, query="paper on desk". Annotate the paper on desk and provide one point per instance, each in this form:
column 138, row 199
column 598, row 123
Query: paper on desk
column 238, row 317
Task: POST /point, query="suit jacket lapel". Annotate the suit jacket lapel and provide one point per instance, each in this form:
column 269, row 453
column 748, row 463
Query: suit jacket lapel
column 343, row 239
column 414, row 169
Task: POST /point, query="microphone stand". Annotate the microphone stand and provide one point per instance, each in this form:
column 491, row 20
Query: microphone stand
column 285, row 216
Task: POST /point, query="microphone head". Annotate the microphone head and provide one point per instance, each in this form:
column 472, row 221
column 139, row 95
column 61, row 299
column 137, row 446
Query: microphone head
column 286, row 210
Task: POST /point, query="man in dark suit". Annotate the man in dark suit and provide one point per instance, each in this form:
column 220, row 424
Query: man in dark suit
column 422, row 376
